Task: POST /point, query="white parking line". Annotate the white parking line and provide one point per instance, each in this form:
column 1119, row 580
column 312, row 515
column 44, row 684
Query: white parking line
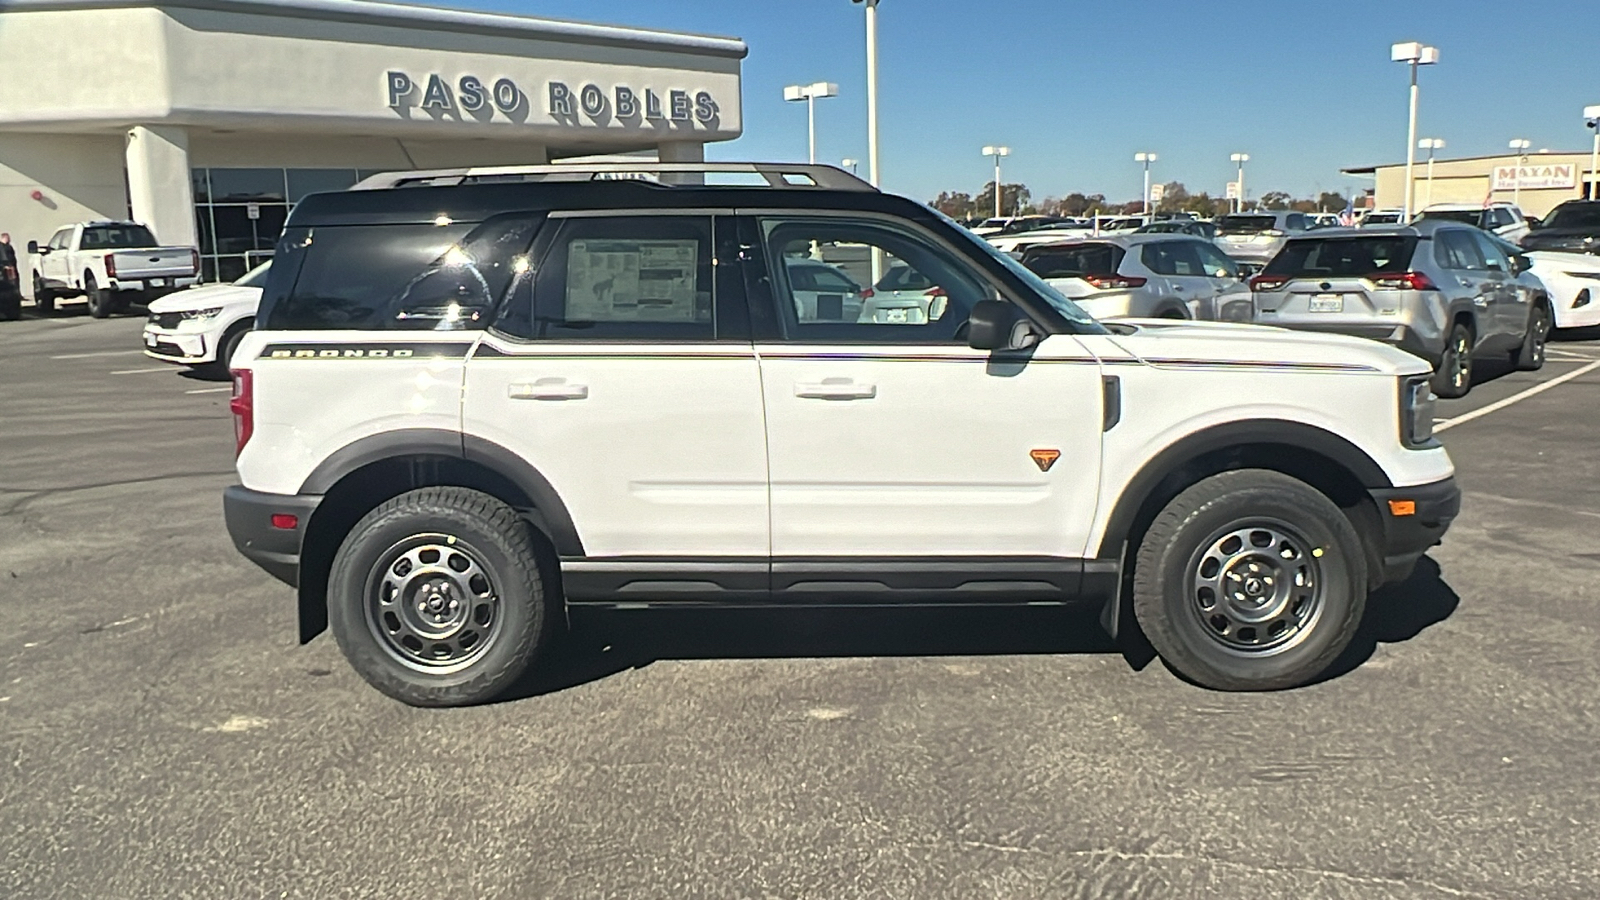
column 215, row 390
column 1553, row 351
column 142, row 371
column 1516, row 398
column 97, row 353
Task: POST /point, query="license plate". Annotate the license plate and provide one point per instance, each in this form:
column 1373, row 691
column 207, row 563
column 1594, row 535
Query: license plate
column 896, row 315
column 1327, row 303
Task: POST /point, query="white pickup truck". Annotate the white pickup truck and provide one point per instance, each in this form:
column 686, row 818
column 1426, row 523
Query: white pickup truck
column 109, row 265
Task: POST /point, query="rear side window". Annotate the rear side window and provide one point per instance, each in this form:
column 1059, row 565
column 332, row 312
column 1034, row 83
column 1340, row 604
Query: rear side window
column 1343, row 257
column 1455, row 249
column 1075, row 261
column 350, row 276
column 1464, row 216
column 1172, row 258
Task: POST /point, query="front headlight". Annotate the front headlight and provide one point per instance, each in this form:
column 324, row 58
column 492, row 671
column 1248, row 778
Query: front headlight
column 1416, row 411
column 201, row 314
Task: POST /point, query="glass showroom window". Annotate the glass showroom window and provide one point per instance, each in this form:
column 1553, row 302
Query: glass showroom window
column 239, row 213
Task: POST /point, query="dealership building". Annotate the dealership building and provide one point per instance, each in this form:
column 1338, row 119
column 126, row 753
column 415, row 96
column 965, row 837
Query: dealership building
column 1534, row 181
column 208, row 119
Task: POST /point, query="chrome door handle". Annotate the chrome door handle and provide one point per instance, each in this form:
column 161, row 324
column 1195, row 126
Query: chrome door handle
column 1178, row 288
column 835, row 389
column 548, row 389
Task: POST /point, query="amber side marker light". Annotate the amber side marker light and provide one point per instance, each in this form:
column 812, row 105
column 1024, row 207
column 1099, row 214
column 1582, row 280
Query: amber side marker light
column 1402, row 507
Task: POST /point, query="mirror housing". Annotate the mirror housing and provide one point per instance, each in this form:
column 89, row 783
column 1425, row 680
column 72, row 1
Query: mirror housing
column 998, row 325
column 33, row 247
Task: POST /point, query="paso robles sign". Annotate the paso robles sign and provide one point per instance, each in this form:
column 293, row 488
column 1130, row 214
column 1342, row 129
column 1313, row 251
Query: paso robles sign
column 1534, row 176
column 567, row 104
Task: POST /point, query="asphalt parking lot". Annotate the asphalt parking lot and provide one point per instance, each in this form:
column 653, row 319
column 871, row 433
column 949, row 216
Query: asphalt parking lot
column 162, row 735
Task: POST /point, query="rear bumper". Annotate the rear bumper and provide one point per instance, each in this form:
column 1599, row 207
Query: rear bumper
column 154, row 286
column 249, row 517
column 1408, row 535
column 1394, row 334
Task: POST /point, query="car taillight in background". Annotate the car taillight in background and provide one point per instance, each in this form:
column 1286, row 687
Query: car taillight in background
column 867, row 293
column 243, row 407
column 1110, row 282
column 111, row 265
column 194, row 261
column 1268, row 282
column 1402, row 281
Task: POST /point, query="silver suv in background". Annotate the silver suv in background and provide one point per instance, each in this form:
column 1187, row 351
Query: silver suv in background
column 1143, row 276
column 1256, row 237
column 1445, row 292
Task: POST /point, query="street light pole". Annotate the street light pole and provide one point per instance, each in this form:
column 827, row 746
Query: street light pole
column 1592, row 114
column 997, row 152
column 1430, row 145
column 1519, row 144
column 809, row 93
column 1147, row 159
column 1415, row 54
column 1238, row 200
column 849, row 163
column 872, row 91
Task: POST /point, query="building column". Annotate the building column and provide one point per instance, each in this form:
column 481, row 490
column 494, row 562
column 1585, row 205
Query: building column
column 160, row 192
column 681, row 152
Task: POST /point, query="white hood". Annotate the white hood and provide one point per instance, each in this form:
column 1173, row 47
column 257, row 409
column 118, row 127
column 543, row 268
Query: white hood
column 224, row 295
column 1166, row 341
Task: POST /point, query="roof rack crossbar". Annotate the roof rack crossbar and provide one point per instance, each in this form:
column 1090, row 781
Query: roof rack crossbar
column 777, row 175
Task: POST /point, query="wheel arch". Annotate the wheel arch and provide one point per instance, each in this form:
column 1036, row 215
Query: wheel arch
column 360, row 476
column 1328, row 462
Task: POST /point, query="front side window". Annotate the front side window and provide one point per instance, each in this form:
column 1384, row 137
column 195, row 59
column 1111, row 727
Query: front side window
column 1493, row 256
column 1172, row 258
column 624, row 278
column 1215, row 263
column 60, row 239
column 921, row 293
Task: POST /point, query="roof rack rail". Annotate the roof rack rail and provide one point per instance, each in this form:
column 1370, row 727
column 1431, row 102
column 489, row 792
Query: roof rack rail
column 774, row 175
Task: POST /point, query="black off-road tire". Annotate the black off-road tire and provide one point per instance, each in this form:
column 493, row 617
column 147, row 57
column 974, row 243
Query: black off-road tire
column 493, row 537
column 1184, row 539
column 43, row 299
column 101, row 303
column 1453, row 378
column 1530, row 356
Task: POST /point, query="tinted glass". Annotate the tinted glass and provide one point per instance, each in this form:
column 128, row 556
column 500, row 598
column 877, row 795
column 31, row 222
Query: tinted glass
column 827, row 279
column 1455, row 249
column 1295, row 222
column 923, row 296
column 1343, row 257
column 1493, row 256
column 316, row 181
column 1215, row 262
column 1172, row 258
column 350, row 276
column 459, row 290
column 1246, row 224
column 1464, row 216
column 247, row 185
column 1574, row 215
column 116, row 237
column 1074, row 261
column 627, row 278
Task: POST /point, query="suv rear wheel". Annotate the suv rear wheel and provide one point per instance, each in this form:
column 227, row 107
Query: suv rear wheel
column 1250, row 580
column 1530, row 355
column 436, row 597
column 1453, row 378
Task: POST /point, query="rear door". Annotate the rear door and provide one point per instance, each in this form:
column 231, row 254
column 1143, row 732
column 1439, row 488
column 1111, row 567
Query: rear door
column 1509, row 304
column 621, row 369
column 1460, row 253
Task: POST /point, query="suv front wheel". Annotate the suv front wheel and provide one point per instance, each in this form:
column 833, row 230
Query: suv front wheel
column 436, row 597
column 1250, row 580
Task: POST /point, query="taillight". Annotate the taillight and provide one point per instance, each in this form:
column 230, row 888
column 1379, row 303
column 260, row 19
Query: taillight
column 1402, row 281
column 194, row 260
column 934, row 292
column 1268, row 283
column 1109, row 282
column 866, row 293
column 243, row 407
column 111, row 265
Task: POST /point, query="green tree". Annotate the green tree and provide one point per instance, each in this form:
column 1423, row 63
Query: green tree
column 1331, row 201
column 1274, row 200
column 1173, row 197
column 956, row 205
column 1014, row 200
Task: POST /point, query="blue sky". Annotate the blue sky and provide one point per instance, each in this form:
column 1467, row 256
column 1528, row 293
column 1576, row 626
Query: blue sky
column 1076, row 87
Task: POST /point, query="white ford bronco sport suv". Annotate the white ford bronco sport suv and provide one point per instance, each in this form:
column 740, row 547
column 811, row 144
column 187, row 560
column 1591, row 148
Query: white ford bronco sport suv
column 476, row 397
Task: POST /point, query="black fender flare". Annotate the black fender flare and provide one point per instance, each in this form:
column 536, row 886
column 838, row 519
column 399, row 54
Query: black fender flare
column 438, row 442
column 1294, row 435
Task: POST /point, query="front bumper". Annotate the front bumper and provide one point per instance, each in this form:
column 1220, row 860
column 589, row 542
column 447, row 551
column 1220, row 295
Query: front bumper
column 1414, row 519
column 184, row 347
column 249, row 517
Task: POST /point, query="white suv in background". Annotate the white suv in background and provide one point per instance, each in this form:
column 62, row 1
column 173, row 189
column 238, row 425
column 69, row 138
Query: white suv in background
column 512, row 391
column 200, row 327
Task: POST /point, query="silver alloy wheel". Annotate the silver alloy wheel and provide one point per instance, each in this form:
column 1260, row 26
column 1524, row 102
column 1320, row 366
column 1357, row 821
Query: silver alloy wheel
column 1461, row 361
column 1256, row 588
column 433, row 604
column 1541, row 333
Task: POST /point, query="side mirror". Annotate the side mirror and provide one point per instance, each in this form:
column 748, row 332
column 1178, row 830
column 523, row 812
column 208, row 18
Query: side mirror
column 997, row 325
column 33, row 247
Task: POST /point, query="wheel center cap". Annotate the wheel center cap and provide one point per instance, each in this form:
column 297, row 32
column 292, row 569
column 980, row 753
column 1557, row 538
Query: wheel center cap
column 1253, row 587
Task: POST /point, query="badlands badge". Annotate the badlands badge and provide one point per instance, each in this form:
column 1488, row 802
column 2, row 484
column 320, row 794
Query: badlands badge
column 1044, row 459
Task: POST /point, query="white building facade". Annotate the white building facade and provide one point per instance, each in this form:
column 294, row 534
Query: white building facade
column 208, row 119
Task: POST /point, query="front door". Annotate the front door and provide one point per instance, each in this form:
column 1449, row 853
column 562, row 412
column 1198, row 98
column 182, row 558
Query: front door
column 893, row 445
column 621, row 369
column 53, row 265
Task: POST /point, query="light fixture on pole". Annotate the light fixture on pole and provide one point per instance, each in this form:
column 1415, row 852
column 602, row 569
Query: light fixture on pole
column 997, row 153
column 1521, row 145
column 1430, row 145
column 1415, row 54
column 1591, row 116
column 1147, row 159
column 850, row 164
column 1238, row 200
column 809, row 93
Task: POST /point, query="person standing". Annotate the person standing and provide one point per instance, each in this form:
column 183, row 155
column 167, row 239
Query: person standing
column 10, row 284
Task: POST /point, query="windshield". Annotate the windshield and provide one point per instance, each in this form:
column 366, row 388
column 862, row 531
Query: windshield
column 1574, row 215
column 1343, row 257
column 256, row 277
column 1246, row 224
column 1464, row 216
column 116, row 237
